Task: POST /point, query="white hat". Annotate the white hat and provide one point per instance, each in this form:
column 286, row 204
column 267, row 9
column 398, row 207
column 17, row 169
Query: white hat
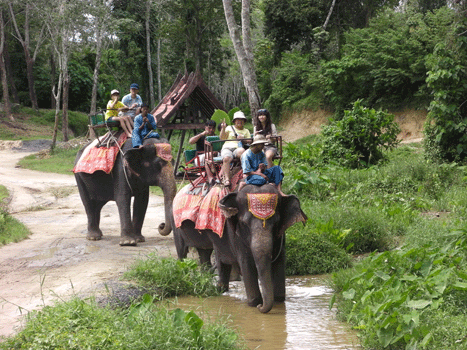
column 259, row 139
column 238, row 115
column 114, row 92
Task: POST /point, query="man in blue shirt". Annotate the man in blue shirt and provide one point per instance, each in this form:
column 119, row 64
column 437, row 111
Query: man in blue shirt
column 133, row 101
column 254, row 166
column 145, row 126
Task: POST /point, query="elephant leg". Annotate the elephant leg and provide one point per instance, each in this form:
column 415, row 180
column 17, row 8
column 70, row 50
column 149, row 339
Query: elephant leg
column 278, row 271
column 182, row 248
column 250, row 279
column 205, row 257
column 127, row 237
column 235, row 274
column 224, row 275
column 140, row 206
column 93, row 211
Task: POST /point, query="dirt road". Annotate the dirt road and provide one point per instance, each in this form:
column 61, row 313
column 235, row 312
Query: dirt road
column 57, row 260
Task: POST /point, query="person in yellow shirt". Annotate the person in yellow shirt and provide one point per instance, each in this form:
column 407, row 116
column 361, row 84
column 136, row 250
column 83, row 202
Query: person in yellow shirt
column 232, row 149
column 114, row 106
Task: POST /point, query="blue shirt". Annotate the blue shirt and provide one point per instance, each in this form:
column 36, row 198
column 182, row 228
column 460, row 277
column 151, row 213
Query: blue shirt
column 251, row 161
column 128, row 101
column 148, row 130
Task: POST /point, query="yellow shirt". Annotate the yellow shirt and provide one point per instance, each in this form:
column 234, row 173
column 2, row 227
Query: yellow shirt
column 114, row 111
column 231, row 135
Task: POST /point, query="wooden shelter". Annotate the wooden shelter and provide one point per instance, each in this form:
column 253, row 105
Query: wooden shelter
column 187, row 106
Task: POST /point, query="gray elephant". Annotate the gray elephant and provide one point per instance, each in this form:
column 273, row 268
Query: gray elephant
column 135, row 169
column 253, row 237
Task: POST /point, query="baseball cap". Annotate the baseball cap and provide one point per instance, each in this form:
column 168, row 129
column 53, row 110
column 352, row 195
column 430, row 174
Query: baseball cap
column 134, row 86
column 114, row 91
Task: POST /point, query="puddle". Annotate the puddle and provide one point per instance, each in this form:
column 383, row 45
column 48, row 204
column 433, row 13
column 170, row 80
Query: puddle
column 304, row 321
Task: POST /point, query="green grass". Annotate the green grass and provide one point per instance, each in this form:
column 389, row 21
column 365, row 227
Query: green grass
column 172, row 277
column 61, row 161
column 79, row 324
column 11, row 230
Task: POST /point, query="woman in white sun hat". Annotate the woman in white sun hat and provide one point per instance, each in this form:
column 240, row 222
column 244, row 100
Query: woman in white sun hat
column 231, row 149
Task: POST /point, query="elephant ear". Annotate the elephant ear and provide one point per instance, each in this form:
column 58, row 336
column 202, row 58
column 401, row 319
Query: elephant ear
column 133, row 159
column 228, row 205
column 291, row 213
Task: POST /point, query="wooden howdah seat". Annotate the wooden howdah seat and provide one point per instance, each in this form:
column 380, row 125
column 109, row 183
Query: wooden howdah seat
column 214, row 144
column 97, row 121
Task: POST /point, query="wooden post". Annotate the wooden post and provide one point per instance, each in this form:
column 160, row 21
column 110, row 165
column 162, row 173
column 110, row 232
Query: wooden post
column 180, row 150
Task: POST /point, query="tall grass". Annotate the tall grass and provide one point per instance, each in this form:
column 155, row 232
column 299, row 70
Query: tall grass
column 80, row 324
column 11, row 230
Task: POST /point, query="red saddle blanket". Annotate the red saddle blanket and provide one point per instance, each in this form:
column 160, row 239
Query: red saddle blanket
column 199, row 205
column 99, row 158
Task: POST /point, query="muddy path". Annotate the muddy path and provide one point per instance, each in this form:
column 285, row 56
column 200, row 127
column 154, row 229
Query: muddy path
column 56, row 261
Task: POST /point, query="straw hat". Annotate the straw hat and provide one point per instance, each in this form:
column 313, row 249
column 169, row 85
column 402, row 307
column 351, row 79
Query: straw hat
column 259, row 139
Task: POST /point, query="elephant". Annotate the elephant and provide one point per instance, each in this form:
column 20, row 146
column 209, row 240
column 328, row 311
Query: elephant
column 255, row 242
column 135, row 169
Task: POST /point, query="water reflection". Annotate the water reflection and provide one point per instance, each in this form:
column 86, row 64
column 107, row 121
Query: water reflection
column 304, row 321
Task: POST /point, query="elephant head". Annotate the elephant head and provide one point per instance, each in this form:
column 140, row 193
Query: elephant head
column 144, row 166
column 259, row 217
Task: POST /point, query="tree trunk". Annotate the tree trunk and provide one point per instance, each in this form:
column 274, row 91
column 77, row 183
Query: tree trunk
column 148, row 55
column 6, row 96
column 159, row 84
column 244, row 51
column 95, row 77
column 57, row 97
column 329, row 14
column 52, row 81
column 66, row 89
column 27, row 53
column 9, row 72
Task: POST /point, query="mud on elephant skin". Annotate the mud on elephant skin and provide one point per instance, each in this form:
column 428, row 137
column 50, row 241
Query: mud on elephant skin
column 135, row 169
column 253, row 238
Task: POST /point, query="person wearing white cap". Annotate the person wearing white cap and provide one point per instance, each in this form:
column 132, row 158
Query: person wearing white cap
column 231, row 149
column 254, row 166
column 113, row 107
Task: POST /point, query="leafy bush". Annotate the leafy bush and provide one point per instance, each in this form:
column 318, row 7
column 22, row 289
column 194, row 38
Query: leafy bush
column 310, row 252
column 394, row 297
column 359, row 137
column 172, row 277
column 446, row 125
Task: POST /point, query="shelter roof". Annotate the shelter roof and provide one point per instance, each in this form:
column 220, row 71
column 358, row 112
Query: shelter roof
column 187, row 86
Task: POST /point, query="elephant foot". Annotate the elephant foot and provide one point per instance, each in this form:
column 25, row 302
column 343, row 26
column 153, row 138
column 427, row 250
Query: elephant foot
column 140, row 238
column 127, row 241
column 222, row 288
column 255, row 302
column 96, row 236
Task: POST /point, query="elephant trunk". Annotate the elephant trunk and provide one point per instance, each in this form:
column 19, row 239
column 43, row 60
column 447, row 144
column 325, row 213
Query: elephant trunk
column 262, row 253
column 169, row 188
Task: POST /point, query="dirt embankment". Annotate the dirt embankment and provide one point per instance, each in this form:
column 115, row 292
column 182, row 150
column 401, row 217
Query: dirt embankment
column 294, row 126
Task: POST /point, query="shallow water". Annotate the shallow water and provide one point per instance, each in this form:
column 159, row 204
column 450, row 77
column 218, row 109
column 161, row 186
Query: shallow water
column 304, row 321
